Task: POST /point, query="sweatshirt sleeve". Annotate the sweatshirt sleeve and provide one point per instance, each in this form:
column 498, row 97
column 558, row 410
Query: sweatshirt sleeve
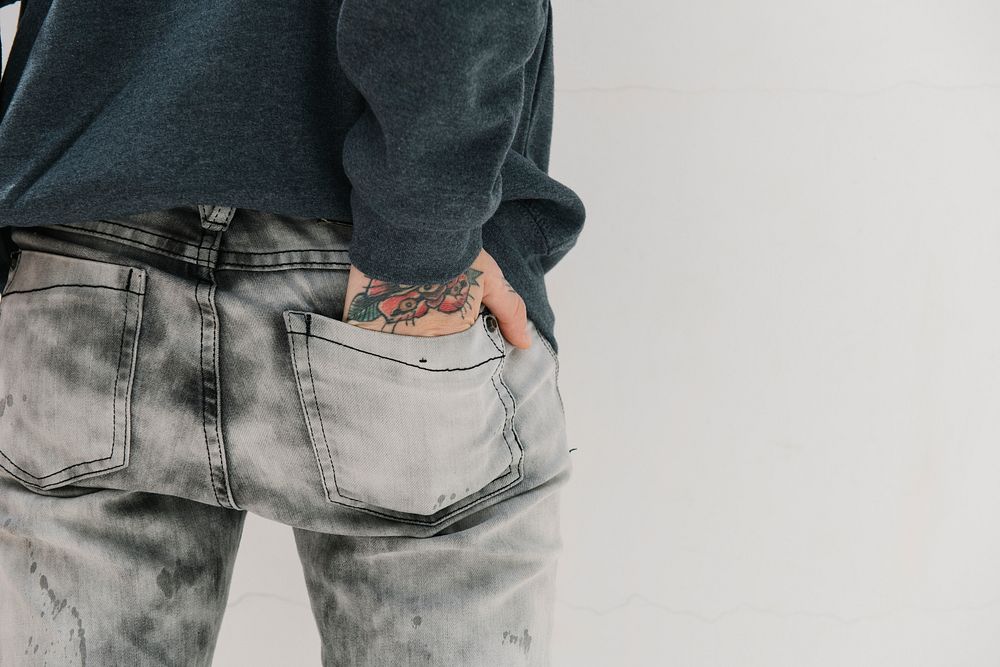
column 443, row 83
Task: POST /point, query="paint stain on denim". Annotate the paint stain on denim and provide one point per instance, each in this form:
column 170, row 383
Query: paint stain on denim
column 524, row 640
column 57, row 606
column 182, row 576
column 76, row 636
column 441, row 499
column 80, row 634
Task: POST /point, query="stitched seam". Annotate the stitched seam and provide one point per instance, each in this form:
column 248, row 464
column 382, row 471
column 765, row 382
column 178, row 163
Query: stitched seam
column 264, row 268
column 402, row 517
column 125, row 239
column 498, row 374
column 513, row 413
column 132, row 364
column 210, row 220
column 215, row 217
column 137, row 229
column 513, row 402
column 114, row 413
column 309, row 424
column 118, row 372
column 405, row 363
column 199, row 247
column 396, row 515
column 278, row 252
column 217, row 417
column 40, row 289
column 333, row 467
column 201, row 364
column 491, row 337
column 198, row 260
column 87, row 474
column 558, row 390
column 319, row 413
column 218, row 398
column 493, row 381
column 285, row 263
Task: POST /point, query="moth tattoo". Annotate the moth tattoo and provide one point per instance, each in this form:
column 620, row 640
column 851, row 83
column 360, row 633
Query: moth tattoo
column 399, row 302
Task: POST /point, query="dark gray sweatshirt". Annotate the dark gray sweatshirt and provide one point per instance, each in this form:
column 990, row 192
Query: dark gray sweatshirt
column 424, row 123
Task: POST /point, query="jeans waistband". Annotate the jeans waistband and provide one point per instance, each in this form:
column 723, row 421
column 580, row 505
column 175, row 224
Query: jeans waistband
column 227, row 237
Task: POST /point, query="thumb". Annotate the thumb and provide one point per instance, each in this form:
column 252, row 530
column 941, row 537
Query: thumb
column 508, row 307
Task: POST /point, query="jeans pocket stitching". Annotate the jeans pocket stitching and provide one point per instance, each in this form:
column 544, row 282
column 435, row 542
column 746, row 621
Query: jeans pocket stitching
column 308, row 395
column 120, row 440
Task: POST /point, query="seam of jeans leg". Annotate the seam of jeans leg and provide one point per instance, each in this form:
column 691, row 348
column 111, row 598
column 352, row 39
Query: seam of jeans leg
column 223, row 459
column 201, row 367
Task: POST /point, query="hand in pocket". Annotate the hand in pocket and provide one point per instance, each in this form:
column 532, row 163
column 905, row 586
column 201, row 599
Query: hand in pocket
column 437, row 309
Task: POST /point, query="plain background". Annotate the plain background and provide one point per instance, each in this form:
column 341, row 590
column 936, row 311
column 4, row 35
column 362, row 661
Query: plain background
column 780, row 342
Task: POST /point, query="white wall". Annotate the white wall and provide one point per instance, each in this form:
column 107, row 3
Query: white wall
column 780, row 342
column 8, row 26
column 781, row 333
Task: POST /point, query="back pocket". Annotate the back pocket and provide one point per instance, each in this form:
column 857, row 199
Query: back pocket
column 68, row 336
column 411, row 428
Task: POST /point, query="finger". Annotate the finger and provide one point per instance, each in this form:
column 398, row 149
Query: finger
column 509, row 308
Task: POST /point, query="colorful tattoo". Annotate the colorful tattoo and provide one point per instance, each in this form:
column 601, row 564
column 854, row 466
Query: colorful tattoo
column 398, row 302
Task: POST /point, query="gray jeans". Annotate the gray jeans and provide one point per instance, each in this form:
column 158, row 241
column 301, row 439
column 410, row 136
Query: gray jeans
column 165, row 373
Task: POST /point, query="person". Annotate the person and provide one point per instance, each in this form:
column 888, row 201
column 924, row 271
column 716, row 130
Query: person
column 287, row 260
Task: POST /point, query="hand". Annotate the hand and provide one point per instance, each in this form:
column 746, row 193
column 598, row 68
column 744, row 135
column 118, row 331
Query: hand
column 437, row 309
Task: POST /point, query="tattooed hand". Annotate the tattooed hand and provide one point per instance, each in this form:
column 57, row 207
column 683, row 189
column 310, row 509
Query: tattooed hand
column 437, row 309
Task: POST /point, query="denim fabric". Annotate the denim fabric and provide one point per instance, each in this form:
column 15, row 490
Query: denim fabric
column 163, row 374
column 427, row 125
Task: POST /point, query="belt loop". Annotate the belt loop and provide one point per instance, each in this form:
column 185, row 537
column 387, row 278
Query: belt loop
column 216, row 218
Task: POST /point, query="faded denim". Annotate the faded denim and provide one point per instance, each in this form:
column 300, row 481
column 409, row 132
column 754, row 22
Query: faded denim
column 163, row 374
